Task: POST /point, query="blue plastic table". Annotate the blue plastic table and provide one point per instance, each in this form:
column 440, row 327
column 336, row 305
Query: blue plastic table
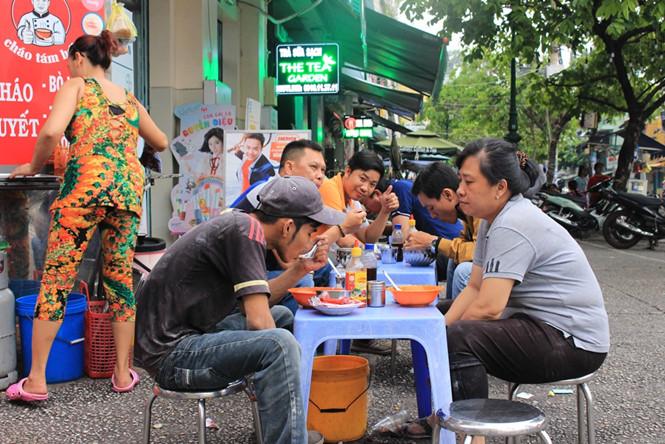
column 423, row 325
column 403, row 274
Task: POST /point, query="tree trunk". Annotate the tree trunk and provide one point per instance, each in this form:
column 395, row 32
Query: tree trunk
column 552, row 153
column 630, row 138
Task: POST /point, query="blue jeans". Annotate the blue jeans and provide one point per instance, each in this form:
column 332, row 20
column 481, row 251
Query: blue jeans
column 458, row 278
column 211, row 361
column 288, row 301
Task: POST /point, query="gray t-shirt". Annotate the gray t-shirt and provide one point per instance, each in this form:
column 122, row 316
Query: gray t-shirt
column 554, row 281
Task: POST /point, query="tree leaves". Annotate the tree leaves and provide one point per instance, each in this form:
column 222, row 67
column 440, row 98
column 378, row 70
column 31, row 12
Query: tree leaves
column 623, row 38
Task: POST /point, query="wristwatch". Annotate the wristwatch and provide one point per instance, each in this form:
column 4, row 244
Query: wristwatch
column 434, row 247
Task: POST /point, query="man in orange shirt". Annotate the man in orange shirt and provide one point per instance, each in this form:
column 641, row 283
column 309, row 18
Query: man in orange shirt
column 343, row 192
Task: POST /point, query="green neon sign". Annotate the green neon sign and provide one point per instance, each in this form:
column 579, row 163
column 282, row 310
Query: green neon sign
column 308, row 69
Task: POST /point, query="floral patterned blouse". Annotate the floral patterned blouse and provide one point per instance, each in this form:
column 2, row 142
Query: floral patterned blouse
column 103, row 168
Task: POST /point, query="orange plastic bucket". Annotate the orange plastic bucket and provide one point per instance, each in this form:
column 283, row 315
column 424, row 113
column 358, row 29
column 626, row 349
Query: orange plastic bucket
column 338, row 397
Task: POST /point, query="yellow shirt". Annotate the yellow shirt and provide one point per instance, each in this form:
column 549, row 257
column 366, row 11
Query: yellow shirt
column 460, row 249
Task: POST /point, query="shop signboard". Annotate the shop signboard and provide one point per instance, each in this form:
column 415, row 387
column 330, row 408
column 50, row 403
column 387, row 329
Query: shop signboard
column 357, row 127
column 307, row 69
column 253, row 156
column 34, row 39
column 199, row 151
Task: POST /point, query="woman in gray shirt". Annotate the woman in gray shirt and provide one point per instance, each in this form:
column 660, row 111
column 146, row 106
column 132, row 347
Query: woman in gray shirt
column 533, row 311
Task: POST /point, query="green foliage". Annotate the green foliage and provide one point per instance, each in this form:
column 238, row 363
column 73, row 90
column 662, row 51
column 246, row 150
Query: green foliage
column 621, row 42
column 475, row 91
column 474, row 103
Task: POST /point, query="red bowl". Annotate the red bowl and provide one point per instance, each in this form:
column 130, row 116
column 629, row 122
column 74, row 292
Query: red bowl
column 302, row 295
column 415, row 295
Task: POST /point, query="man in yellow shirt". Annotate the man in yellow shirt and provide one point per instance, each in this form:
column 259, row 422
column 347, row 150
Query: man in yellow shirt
column 436, row 189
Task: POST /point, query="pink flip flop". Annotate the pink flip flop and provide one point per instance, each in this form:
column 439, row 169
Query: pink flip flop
column 15, row 392
column 130, row 387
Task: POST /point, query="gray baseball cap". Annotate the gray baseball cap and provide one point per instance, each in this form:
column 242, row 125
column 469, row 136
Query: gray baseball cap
column 296, row 197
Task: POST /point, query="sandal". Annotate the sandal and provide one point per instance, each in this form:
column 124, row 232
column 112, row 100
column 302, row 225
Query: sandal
column 130, row 387
column 15, row 392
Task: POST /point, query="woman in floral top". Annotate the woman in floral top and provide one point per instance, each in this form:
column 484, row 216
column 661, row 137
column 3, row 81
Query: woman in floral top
column 102, row 187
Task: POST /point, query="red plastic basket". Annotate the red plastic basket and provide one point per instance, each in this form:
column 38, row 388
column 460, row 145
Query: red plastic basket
column 99, row 344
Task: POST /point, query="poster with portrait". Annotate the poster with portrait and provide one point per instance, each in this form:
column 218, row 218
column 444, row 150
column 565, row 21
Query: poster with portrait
column 199, row 151
column 34, row 39
column 253, row 156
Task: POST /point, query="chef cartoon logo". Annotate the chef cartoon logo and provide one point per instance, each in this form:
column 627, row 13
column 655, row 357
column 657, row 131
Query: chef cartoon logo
column 41, row 22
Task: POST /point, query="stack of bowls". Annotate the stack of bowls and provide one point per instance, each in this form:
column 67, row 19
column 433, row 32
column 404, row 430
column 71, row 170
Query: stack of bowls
column 418, row 258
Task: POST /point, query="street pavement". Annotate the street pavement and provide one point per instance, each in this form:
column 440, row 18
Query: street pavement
column 628, row 390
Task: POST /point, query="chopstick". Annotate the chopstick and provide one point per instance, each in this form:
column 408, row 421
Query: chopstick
column 334, row 268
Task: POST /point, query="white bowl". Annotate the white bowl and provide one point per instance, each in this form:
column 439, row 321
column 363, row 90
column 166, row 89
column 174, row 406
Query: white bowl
column 336, row 311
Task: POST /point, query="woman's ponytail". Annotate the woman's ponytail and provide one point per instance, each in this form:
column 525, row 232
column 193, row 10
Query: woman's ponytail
column 98, row 49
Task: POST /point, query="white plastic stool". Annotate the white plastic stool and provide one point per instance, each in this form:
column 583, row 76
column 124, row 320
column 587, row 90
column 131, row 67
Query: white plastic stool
column 492, row 417
column 241, row 385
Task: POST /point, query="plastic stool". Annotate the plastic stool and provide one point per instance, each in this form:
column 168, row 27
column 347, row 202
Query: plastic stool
column 492, row 417
column 582, row 388
column 233, row 388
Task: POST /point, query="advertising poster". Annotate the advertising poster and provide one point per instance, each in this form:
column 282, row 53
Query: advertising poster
column 199, row 151
column 34, row 38
column 253, row 156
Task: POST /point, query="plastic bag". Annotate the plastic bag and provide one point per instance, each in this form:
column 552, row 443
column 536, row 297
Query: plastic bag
column 121, row 25
column 391, row 424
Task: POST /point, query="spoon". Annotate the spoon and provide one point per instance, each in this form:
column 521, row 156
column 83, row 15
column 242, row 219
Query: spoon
column 310, row 254
column 391, row 281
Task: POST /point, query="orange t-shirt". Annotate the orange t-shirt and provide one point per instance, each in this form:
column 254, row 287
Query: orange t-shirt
column 332, row 193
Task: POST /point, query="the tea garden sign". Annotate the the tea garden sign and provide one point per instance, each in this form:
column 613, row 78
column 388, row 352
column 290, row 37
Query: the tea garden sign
column 308, row 69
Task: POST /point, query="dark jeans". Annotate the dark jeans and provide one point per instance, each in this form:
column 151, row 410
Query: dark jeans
column 518, row 349
column 442, row 268
column 213, row 360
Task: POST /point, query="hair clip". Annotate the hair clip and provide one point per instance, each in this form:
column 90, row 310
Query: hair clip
column 522, row 158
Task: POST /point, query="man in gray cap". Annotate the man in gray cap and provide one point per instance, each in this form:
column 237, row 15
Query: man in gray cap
column 187, row 334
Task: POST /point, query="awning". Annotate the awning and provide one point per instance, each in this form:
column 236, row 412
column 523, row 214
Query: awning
column 387, row 123
column 396, row 51
column 646, row 143
column 400, row 102
column 603, row 138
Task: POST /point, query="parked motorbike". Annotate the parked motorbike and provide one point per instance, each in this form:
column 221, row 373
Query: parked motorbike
column 640, row 217
column 569, row 212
